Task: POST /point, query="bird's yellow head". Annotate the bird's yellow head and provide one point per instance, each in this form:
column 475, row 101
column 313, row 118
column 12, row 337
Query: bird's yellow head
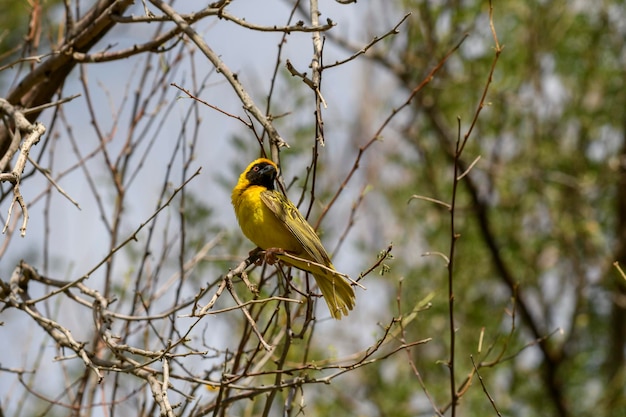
column 260, row 172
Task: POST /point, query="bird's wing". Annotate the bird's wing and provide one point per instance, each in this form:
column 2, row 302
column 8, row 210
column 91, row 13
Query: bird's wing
column 288, row 214
column 334, row 286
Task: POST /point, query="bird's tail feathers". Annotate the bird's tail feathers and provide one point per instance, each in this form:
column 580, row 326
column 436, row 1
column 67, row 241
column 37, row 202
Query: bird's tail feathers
column 338, row 294
column 334, row 285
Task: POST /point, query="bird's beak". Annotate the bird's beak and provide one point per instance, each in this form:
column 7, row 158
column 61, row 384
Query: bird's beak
column 268, row 170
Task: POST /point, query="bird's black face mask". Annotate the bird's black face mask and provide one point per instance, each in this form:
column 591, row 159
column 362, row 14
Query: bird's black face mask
column 263, row 174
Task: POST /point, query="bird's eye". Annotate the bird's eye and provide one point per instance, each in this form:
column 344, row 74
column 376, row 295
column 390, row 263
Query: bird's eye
column 256, row 168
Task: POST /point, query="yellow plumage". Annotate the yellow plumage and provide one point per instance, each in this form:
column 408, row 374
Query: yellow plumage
column 271, row 221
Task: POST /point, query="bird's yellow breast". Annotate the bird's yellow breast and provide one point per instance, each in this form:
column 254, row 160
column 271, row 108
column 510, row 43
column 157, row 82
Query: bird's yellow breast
column 259, row 223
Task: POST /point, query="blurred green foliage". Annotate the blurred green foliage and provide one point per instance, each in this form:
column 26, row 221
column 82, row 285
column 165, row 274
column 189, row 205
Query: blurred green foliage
column 549, row 138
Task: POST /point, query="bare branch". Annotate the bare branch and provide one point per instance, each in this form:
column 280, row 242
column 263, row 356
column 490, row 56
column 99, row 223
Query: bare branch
column 482, row 383
column 221, row 67
column 221, row 13
column 373, row 42
column 33, row 134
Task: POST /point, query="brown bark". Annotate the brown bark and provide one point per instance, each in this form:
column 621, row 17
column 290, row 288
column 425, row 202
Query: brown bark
column 39, row 86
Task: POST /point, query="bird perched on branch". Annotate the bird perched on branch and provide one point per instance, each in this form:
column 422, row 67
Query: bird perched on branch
column 274, row 224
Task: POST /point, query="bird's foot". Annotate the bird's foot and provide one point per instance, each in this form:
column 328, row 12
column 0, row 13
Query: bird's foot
column 270, row 255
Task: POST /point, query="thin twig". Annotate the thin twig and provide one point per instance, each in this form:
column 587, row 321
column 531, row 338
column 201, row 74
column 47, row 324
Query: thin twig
column 469, row 168
column 373, row 42
column 402, row 323
column 482, row 383
column 481, row 103
column 619, row 269
column 377, row 135
column 130, row 238
column 432, row 200
column 56, row 185
column 56, row 103
column 221, row 67
column 222, row 14
column 184, row 90
column 381, row 258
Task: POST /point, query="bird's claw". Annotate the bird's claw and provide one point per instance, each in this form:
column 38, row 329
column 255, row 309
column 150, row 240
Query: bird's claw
column 268, row 255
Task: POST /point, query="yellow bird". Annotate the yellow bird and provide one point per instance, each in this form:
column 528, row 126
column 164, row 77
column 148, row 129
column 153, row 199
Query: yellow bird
column 272, row 222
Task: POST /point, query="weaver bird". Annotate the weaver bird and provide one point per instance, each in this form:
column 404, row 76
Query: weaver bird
column 274, row 224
